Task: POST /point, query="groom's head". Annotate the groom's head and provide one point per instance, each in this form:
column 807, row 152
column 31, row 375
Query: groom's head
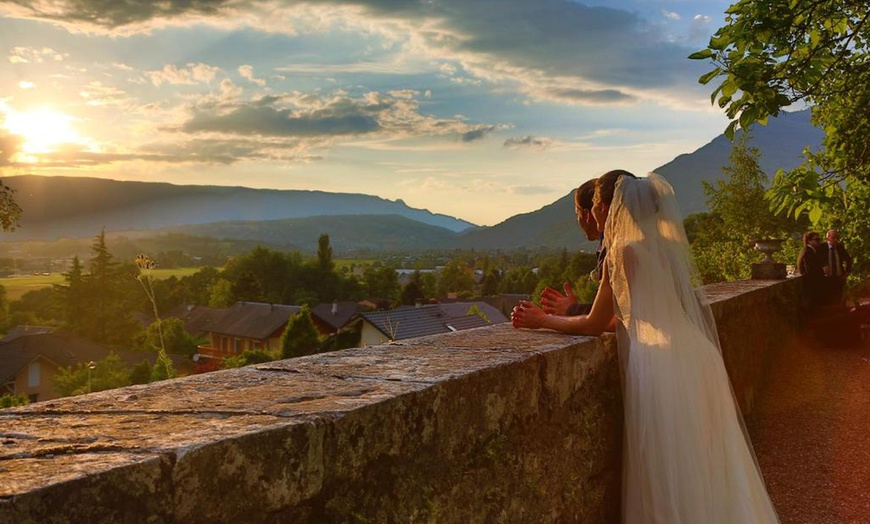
column 583, row 197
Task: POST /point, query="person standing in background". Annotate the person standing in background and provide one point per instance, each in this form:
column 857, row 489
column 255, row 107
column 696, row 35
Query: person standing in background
column 838, row 265
column 810, row 263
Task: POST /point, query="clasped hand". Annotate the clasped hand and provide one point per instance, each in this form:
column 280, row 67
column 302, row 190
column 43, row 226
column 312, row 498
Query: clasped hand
column 527, row 314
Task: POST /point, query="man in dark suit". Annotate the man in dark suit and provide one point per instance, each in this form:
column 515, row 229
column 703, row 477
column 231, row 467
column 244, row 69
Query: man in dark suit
column 810, row 263
column 838, row 265
column 552, row 301
column 555, row 303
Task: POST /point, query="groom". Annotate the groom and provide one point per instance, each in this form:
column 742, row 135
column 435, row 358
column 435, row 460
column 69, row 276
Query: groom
column 555, row 303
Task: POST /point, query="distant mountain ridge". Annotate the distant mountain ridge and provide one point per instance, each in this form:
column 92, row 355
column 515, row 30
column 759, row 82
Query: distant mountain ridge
column 80, row 207
column 554, row 226
column 56, row 207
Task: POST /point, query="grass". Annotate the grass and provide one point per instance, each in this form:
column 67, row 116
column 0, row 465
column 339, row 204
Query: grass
column 16, row 287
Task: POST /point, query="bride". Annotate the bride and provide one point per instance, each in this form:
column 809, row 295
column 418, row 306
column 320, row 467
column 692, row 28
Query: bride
column 687, row 458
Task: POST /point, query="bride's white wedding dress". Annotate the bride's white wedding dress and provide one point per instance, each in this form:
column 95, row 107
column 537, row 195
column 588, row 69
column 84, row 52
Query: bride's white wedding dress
column 687, row 459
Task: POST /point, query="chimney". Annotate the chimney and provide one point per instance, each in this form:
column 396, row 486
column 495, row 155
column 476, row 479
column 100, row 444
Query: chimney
column 334, row 307
column 418, row 303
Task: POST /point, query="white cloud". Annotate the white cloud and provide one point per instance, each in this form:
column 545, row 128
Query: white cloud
column 26, row 55
column 191, row 74
column 247, row 72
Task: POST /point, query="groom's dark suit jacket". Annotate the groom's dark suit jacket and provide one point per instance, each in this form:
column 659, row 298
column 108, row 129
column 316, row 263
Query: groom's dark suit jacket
column 584, row 309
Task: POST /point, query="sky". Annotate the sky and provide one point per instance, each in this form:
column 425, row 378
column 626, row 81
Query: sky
column 478, row 109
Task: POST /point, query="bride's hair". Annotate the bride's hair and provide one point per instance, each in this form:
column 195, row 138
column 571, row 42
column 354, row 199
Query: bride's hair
column 606, row 184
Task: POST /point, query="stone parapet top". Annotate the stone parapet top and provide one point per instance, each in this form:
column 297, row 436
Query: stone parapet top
column 64, row 439
column 532, row 415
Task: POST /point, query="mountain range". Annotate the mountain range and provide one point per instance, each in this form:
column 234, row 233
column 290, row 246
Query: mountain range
column 72, row 207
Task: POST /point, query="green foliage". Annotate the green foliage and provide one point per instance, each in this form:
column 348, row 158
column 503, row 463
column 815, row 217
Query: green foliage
column 585, row 289
column 475, row 310
column 141, row 372
column 10, row 211
column 221, row 294
column 723, row 240
column 108, row 373
column 324, row 254
column 519, row 280
column 156, row 338
column 10, row 401
column 176, row 340
column 413, row 290
column 774, row 53
column 247, row 358
column 456, row 277
column 381, row 281
column 300, row 337
column 739, row 198
column 99, row 303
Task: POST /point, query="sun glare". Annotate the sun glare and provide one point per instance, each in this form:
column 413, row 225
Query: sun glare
column 43, row 130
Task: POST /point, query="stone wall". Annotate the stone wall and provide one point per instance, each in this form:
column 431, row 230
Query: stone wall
column 488, row 425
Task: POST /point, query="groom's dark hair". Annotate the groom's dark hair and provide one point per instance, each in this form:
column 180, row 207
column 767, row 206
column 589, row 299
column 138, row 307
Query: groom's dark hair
column 606, row 183
column 584, row 194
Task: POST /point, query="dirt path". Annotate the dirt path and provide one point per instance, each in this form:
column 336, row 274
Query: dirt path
column 811, row 432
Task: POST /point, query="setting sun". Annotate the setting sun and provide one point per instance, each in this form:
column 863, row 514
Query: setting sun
column 42, row 129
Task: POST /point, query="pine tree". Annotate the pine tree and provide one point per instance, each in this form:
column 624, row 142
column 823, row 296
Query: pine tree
column 324, row 254
column 300, row 337
column 73, row 296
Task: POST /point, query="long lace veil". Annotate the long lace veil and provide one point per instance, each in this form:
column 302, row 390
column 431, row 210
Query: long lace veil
column 662, row 310
column 654, row 267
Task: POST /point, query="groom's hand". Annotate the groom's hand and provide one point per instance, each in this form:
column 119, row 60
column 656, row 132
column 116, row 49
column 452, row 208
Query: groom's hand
column 555, row 303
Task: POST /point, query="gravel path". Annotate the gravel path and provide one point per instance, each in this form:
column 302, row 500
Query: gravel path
column 811, row 433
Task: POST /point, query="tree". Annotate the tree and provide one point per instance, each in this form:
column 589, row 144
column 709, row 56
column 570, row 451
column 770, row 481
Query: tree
column 175, row 339
column 107, row 297
column 456, row 277
column 413, row 290
column 73, row 295
column 300, row 337
column 248, row 357
column 772, row 54
column 10, row 211
column 324, row 254
column 10, row 401
column 263, row 275
column 108, row 373
column 723, row 240
column 221, row 294
column 381, row 281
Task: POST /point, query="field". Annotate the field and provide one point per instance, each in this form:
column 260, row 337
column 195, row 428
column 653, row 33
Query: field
column 18, row 286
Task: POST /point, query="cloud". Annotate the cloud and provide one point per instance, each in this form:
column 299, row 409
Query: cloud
column 26, row 55
column 614, row 56
column 307, row 115
column 670, row 15
column 9, row 145
column 479, row 133
column 97, row 94
column 247, row 72
column 699, row 30
column 192, row 74
column 578, row 96
column 528, row 142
